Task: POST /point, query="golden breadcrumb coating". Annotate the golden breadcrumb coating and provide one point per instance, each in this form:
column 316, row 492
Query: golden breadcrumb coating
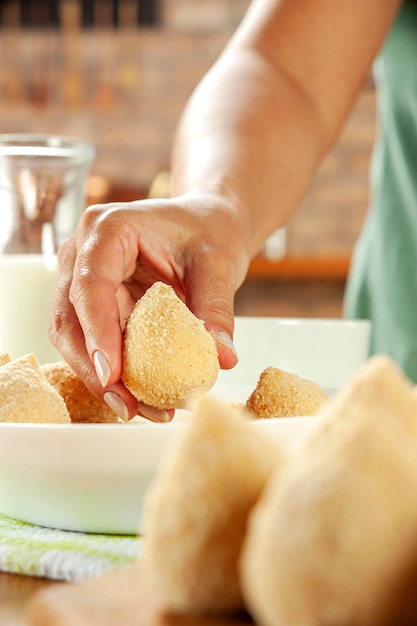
column 282, row 394
column 168, row 355
column 81, row 404
column 333, row 539
column 26, row 396
column 5, row 358
column 197, row 508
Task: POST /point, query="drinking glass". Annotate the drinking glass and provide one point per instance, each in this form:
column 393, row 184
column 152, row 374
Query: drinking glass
column 42, row 195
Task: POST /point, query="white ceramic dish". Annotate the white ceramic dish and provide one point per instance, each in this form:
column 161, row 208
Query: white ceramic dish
column 326, row 351
column 93, row 478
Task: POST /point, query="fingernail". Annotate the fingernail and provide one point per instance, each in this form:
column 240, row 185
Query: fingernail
column 153, row 414
column 116, row 404
column 102, row 368
column 225, row 340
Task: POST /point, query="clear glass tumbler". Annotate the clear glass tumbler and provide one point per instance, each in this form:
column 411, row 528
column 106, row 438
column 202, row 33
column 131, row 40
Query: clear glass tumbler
column 42, row 196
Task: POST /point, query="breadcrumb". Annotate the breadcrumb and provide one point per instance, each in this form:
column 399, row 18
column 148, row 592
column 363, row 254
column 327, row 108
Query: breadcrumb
column 4, row 358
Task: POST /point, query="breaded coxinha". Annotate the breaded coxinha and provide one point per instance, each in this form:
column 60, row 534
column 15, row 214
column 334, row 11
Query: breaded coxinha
column 26, row 395
column 197, row 508
column 168, row 355
column 82, row 406
column 283, row 394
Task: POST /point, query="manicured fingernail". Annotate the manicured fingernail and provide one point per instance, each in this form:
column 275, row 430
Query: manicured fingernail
column 224, row 339
column 153, row 414
column 116, row 404
column 102, row 368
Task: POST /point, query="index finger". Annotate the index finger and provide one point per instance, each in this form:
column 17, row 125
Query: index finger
column 98, row 298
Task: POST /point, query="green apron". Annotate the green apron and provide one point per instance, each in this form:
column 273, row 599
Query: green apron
column 382, row 284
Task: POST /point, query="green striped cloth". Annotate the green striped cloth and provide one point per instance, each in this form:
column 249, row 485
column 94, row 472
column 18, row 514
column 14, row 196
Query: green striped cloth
column 62, row 555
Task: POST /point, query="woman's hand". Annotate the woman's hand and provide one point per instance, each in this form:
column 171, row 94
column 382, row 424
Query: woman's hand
column 194, row 243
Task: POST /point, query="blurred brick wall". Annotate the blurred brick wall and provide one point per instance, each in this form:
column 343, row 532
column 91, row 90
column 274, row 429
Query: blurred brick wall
column 124, row 90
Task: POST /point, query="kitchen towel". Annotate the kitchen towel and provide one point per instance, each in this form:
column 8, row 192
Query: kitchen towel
column 62, row 555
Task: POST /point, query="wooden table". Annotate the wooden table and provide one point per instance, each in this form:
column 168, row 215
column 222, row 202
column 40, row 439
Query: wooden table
column 116, row 598
column 14, row 594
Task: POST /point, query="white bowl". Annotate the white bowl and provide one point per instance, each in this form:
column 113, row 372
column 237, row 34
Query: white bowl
column 94, row 478
column 326, row 351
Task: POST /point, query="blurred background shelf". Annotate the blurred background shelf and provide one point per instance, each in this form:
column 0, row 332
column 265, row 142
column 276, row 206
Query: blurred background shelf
column 300, row 268
column 294, row 287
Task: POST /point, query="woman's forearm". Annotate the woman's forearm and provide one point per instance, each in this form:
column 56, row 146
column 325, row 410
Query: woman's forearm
column 237, row 141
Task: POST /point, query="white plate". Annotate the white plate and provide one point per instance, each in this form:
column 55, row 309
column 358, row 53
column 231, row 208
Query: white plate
column 93, row 478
